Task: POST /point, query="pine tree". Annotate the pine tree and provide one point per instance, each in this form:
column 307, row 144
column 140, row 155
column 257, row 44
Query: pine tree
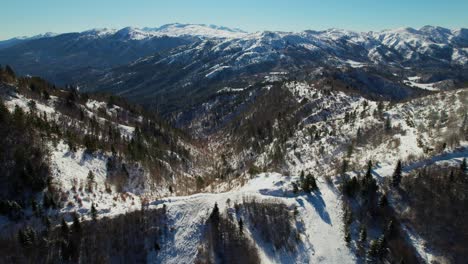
column 344, row 166
column 358, row 135
column 65, row 229
column 93, row 212
column 295, row 188
column 463, row 166
column 312, row 182
column 90, row 181
column 383, row 202
column 347, row 236
column 76, row 226
column 369, row 170
column 373, row 251
column 397, row 175
column 350, row 150
column 363, row 234
column 214, row 217
column 388, row 124
column 241, row 225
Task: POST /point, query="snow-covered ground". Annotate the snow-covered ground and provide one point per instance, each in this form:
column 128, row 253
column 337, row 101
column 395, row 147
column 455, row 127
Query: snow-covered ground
column 413, row 81
column 322, row 240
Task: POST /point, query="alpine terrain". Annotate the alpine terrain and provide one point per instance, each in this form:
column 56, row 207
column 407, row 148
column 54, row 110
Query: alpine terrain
column 194, row 143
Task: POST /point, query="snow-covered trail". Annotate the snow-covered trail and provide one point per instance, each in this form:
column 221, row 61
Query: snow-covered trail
column 320, row 214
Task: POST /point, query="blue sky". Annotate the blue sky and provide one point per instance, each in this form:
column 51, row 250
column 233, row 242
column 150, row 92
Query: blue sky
column 29, row 17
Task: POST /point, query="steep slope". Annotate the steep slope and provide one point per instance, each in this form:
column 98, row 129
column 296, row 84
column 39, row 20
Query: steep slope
column 99, row 149
column 376, row 62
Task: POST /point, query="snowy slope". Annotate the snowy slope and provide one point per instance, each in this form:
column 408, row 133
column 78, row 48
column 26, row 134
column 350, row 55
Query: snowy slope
column 198, row 30
column 322, row 239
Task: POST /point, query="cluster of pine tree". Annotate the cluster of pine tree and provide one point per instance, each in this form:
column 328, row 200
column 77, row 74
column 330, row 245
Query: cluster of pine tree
column 366, row 207
column 126, row 238
column 305, row 183
column 23, row 159
column 225, row 242
column 437, row 196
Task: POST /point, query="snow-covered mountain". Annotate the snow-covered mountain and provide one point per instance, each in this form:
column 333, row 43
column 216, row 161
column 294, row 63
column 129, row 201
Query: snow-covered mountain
column 224, row 51
column 275, row 177
column 379, row 62
column 13, row 41
column 327, row 146
column 198, row 30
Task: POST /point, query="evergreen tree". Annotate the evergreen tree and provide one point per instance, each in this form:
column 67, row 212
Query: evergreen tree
column 90, row 181
column 312, row 182
column 241, row 225
column 373, row 251
column 380, row 107
column 309, row 184
column 463, row 166
column 76, row 226
column 388, row 124
column 295, row 188
column 363, row 234
column 383, row 202
column 369, row 170
column 93, row 212
column 397, row 175
column 347, row 236
column 64, row 228
column 214, row 217
column 344, row 166
column 359, row 135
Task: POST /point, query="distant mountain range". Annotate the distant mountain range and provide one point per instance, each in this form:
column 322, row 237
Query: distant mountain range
column 149, row 64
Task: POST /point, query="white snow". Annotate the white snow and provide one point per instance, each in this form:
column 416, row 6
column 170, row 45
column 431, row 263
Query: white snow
column 322, row 240
column 413, row 81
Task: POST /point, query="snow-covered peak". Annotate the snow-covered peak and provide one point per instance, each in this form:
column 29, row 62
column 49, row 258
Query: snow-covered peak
column 198, row 30
column 133, row 33
column 99, row 32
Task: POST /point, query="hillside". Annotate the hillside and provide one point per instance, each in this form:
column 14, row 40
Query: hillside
column 297, row 171
column 193, row 143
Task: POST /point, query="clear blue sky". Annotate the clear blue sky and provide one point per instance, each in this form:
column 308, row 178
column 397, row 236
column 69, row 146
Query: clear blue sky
column 29, row 17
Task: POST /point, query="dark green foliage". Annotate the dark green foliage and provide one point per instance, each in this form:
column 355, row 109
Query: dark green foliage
column 295, row 188
column 369, row 185
column 309, row 184
column 397, row 174
column 90, row 183
column 463, row 168
column 347, row 221
column 363, row 234
column 388, row 124
column 23, row 157
column 27, row 237
column 93, row 212
column 344, row 166
column 150, row 145
column 11, row 209
column 64, row 229
column 241, row 225
column 351, row 187
column 383, row 202
column 214, row 216
column 438, row 209
column 76, row 226
column 120, row 239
